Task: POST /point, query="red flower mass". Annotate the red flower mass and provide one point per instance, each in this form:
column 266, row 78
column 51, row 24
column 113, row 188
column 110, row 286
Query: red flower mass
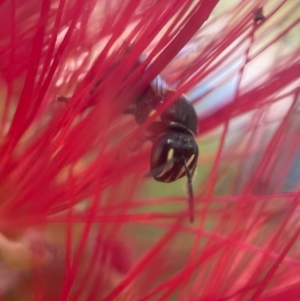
column 80, row 218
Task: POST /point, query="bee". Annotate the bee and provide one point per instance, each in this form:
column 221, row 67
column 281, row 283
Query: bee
column 174, row 152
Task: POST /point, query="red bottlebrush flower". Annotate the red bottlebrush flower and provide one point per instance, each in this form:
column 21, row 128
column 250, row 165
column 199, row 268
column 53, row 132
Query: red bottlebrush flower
column 80, row 218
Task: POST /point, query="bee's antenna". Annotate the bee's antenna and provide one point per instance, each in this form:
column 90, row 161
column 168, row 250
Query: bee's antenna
column 189, row 183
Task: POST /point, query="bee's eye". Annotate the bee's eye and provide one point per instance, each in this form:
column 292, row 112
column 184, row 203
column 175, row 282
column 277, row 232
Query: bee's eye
column 171, row 151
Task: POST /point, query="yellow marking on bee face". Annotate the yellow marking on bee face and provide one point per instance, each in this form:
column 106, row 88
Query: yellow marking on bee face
column 168, row 180
column 167, row 168
column 157, row 119
column 182, row 171
column 170, row 154
column 190, row 160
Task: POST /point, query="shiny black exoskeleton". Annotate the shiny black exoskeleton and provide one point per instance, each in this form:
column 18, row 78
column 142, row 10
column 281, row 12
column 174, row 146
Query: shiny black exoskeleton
column 174, row 151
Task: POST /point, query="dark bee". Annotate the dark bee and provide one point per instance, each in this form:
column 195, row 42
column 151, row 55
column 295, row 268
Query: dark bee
column 174, row 151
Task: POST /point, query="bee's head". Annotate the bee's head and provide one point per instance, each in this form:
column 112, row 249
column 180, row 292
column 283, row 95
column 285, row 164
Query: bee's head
column 172, row 154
